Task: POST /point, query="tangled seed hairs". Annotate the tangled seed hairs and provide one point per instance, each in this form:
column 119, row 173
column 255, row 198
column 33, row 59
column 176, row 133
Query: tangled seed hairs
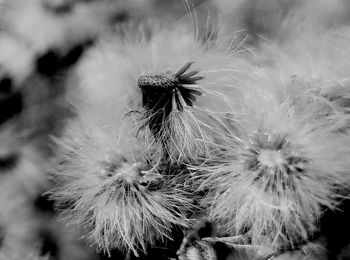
column 192, row 78
column 282, row 167
column 113, row 188
column 104, row 88
column 320, row 57
column 318, row 64
column 310, row 250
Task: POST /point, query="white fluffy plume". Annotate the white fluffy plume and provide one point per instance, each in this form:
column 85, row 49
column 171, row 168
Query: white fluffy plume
column 185, row 85
column 109, row 183
column 283, row 162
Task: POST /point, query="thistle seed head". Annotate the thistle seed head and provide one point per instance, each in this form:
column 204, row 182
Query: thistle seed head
column 165, row 92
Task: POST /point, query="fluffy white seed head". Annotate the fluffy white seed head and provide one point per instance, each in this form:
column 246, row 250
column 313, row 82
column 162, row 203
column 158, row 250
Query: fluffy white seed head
column 282, row 167
column 111, row 185
column 315, row 64
column 186, row 132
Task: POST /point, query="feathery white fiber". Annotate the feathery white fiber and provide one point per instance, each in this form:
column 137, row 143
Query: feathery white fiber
column 319, row 64
column 200, row 250
column 111, row 184
column 185, row 85
column 282, row 166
